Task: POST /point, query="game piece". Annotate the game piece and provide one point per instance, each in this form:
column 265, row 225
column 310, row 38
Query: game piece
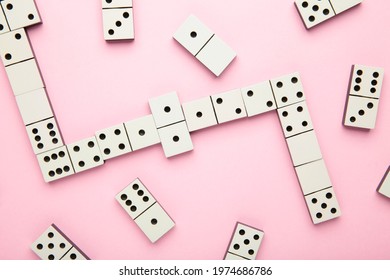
column 229, row 106
column 44, row 135
column 34, row 106
column 142, row 132
column 113, row 141
column 314, row 12
column 199, row 114
column 384, row 185
column 85, row 154
column 24, row 76
column 147, row 213
column 323, row 205
column 361, row 112
column 166, row 109
column 53, row 244
column 304, row 148
column 287, row 89
column 340, row 6
column 15, row 47
column 295, row 119
column 175, row 139
column 118, row 24
column 55, row 164
column 313, row 176
column 258, row 98
column 245, row 242
column 20, row 13
column 366, row 81
column 201, row 42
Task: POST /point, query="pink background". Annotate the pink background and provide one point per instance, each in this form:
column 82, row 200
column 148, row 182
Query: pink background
column 237, row 171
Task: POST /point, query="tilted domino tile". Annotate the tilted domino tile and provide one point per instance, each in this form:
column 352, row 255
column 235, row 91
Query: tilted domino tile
column 258, row 98
column 55, row 164
column 85, row 154
column 53, row 244
column 3, row 23
column 287, row 89
column 323, row 205
column 20, row 13
column 34, row 106
column 113, row 141
column 199, row 114
column 229, row 106
column 24, row 76
column 384, row 185
column 362, row 104
column 314, row 12
column 245, row 242
column 142, row 132
column 143, row 208
column 175, row 139
column 15, row 47
column 118, row 21
column 166, row 109
column 44, row 135
column 202, row 43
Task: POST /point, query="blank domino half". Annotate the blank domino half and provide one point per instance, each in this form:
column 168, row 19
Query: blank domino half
column 53, row 244
column 245, row 243
column 384, row 185
column 144, row 209
column 202, row 43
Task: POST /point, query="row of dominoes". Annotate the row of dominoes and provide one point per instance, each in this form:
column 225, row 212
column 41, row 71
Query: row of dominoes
column 304, row 149
column 53, row 244
column 314, row 12
column 118, row 22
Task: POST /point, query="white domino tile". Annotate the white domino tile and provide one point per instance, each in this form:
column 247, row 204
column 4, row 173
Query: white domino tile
column 135, row 198
column 340, row 6
column 55, row 164
column 3, row 23
column 108, row 4
column 313, row 176
column 142, row 132
column 295, row 119
column 51, row 245
column 15, row 47
column 34, row 106
column 384, row 185
column 118, row 24
column 245, row 241
column 175, row 139
column 216, row 55
column 20, row 13
column 85, row 154
column 24, row 76
column 44, row 135
column 155, row 222
column 313, row 12
column 287, row 89
column 166, row 109
column 304, row 148
column 229, row 106
column 113, row 141
column 258, row 98
column 199, row 114
column 193, row 35
column 361, row 112
column 366, row 81
column 323, row 206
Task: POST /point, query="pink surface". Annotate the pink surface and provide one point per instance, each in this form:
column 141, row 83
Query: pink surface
column 237, row 171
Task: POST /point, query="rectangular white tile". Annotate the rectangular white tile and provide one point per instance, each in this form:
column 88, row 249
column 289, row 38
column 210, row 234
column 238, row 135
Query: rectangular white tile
column 361, row 112
column 304, row 148
column 113, row 141
column 314, row 12
column 340, row 6
column 229, row 106
column 20, row 13
column 258, row 98
column 166, row 109
column 142, row 132
column 15, row 47
column 118, row 24
column 323, row 206
column 366, row 81
column 295, row 119
column 175, row 139
column 199, row 114
column 287, row 89
column 85, row 154
column 313, row 176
